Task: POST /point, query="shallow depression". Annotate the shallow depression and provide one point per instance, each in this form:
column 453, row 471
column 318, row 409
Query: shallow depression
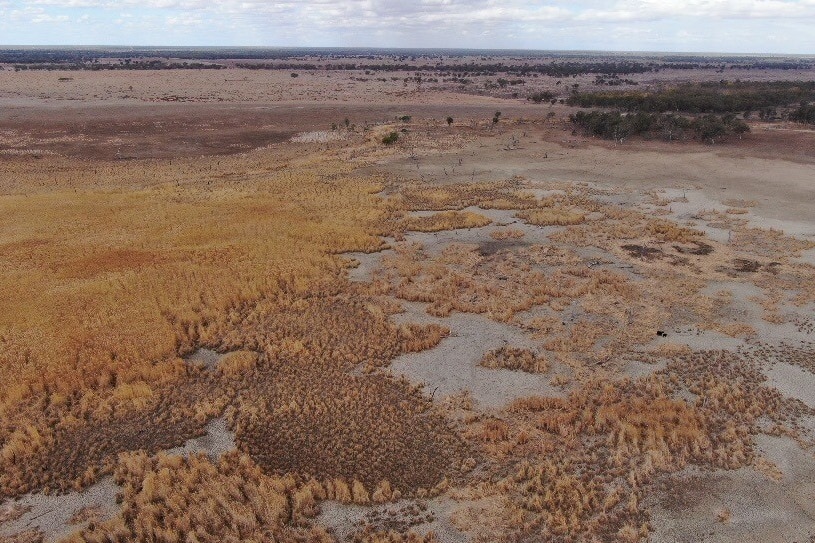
column 452, row 367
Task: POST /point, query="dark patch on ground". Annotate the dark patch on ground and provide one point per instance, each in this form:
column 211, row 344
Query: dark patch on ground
column 678, row 494
column 696, row 248
column 744, row 266
column 396, row 518
column 642, row 252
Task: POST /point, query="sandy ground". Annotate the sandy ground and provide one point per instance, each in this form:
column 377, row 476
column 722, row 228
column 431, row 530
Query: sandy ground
column 793, row 382
column 452, row 367
column 424, row 516
column 204, row 357
column 218, row 440
column 714, row 175
column 53, row 514
column 741, row 505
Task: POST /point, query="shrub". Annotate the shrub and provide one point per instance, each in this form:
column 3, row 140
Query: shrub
column 391, row 138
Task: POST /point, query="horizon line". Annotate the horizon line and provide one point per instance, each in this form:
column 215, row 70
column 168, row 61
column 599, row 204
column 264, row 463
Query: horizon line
column 384, row 48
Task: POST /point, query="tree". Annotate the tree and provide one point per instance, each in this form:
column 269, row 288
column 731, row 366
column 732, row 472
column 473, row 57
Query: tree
column 449, row 121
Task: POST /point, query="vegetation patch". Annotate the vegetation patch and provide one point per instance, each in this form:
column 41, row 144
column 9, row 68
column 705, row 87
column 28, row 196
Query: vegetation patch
column 446, row 220
column 512, row 358
column 551, row 217
column 617, row 126
column 708, row 97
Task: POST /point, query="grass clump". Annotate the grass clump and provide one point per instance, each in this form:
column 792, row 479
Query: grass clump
column 391, row 138
column 551, row 217
column 512, row 358
column 446, row 220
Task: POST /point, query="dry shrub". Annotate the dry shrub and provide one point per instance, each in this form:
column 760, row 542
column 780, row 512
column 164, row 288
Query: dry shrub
column 551, row 217
column 735, row 202
column 670, row 232
column 119, row 284
column 170, row 499
column 238, row 362
column 498, row 195
column 11, row 511
column 86, row 514
column 670, row 350
column 768, row 468
column 768, row 243
column 446, row 220
column 494, row 431
column 28, row 536
column 512, row 358
column 77, row 450
column 586, row 461
column 369, row 534
column 508, row 233
column 723, row 515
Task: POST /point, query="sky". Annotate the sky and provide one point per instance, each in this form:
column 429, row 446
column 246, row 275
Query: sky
column 726, row 26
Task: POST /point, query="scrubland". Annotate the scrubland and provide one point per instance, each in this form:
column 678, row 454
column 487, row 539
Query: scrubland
column 655, row 324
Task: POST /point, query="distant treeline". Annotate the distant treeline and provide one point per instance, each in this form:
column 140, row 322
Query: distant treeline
column 615, row 125
column 123, row 65
column 81, row 55
column 555, row 69
column 722, row 97
column 804, row 114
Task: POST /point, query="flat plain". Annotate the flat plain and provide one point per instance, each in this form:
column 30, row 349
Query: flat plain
column 391, row 297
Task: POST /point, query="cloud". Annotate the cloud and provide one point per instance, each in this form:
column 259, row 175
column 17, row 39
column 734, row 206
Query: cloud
column 551, row 24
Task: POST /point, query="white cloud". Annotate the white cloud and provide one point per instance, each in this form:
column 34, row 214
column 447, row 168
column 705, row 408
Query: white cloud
column 434, row 23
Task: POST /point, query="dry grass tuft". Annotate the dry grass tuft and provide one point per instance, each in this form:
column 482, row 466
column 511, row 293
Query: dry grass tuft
column 446, row 220
column 551, row 217
column 238, row 363
column 509, row 233
column 169, row 499
column 512, row 358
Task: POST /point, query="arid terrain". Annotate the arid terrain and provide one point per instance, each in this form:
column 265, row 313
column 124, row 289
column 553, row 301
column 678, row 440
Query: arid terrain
column 330, row 298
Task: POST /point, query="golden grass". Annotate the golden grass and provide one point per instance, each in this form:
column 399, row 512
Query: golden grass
column 551, row 217
column 509, row 233
column 99, row 286
column 102, row 290
column 446, row 220
column 113, row 273
column 170, row 499
column 515, row 359
column 498, row 195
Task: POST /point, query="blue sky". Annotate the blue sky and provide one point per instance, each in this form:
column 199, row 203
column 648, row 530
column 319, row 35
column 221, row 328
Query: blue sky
column 739, row 26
